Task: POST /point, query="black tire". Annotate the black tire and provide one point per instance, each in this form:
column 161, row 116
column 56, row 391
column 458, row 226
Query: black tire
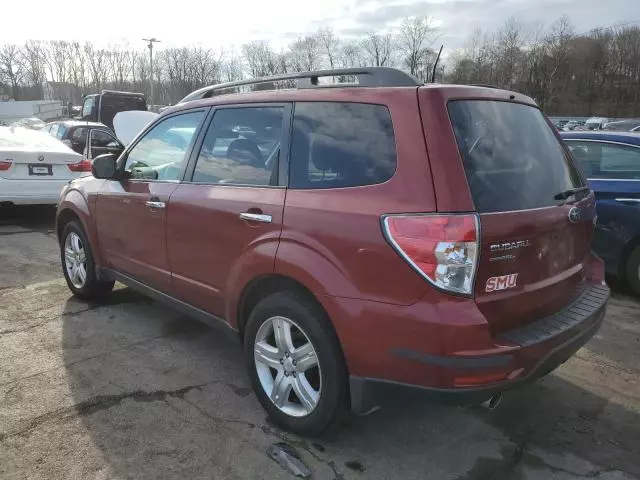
column 311, row 319
column 92, row 288
column 632, row 271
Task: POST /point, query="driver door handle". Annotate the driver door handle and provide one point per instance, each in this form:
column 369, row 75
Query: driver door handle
column 155, row 204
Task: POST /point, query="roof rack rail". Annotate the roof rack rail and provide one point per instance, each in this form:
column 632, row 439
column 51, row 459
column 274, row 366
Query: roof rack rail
column 486, row 85
column 367, row 77
column 137, row 94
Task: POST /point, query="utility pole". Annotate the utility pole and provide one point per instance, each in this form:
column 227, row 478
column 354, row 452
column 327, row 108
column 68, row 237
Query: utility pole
column 151, row 41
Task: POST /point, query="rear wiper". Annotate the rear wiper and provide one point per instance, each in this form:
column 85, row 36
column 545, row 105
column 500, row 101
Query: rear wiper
column 569, row 193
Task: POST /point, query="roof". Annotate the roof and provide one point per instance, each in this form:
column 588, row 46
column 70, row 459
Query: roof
column 622, row 137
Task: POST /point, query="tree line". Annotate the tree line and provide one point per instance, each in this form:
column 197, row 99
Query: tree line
column 594, row 73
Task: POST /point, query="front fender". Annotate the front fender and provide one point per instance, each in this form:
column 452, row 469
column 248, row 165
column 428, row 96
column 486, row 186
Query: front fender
column 75, row 202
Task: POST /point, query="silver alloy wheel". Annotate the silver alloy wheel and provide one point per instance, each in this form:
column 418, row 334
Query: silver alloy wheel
column 75, row 260
column 287, row 366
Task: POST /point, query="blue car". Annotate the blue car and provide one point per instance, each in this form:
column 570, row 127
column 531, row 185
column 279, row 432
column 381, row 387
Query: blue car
column 611, row 163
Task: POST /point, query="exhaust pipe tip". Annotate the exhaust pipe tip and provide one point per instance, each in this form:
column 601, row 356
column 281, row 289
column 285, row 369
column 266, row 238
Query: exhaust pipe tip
column 493, row 403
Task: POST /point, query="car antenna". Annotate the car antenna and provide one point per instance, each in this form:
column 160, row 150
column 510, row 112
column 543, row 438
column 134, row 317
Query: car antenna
column 435, row 64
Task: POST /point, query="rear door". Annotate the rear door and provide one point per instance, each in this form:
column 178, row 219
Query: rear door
column 534, row 242
column 224, row 221
column 613, row 171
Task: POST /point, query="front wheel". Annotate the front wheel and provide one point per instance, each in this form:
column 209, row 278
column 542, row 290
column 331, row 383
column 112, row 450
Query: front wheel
column 78, row 265
column 295, row 364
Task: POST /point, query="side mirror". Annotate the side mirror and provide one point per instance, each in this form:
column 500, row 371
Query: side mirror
column 104, row 166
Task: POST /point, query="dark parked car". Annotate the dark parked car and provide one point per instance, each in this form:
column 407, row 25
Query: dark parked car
column 74, row 134
column 611, row 162
column 102, row 107
column 381, row 236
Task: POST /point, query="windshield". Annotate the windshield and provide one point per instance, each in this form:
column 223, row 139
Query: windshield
column 512, row 159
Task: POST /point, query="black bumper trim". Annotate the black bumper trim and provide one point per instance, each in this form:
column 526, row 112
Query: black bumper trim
column 589, row 301
column 369, row 394
column 467, row 363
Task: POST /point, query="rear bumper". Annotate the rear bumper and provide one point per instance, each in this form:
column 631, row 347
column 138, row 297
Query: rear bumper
column 31, row 191
column 536, row 350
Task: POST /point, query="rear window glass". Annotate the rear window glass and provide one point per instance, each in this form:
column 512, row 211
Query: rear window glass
column 336, row 145
column 512, row 159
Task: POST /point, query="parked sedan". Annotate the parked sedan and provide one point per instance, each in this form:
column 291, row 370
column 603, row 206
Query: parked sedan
column 611, row 162
column 623, row 126
column 34, row 166
column 75, row 133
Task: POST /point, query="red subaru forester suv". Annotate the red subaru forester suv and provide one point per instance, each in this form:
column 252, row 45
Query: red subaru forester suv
column 358, row 237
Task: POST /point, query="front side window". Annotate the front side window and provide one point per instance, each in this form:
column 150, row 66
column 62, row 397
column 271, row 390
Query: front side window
column 162, row 151
column 336, row 145
column 241, row 147
column 53, row 129
column 606, row 160
column 103, row 139
column 87, row 107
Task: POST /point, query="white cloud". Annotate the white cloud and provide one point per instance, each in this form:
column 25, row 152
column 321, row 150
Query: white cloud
column 227, row 23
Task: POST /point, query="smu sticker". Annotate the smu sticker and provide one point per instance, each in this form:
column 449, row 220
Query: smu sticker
column 501, row 283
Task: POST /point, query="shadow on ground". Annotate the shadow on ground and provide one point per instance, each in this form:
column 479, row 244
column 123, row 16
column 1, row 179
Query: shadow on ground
column 175, row 402
column 29, row 217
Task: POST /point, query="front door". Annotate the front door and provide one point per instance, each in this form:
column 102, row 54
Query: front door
column 223, row 226
column 131, row 213
column 101, row 142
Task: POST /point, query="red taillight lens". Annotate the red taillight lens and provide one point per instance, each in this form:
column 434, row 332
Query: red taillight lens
column 5, row 165
column 442, row 248
column 82, row 166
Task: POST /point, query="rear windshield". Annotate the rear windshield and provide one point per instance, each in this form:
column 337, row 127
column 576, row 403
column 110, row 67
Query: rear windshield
column 512, row 159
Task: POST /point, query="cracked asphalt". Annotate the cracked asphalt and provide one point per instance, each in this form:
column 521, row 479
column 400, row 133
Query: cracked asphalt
column 131, row 389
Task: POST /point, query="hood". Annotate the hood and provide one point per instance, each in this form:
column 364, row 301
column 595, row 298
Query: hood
column 128, row 124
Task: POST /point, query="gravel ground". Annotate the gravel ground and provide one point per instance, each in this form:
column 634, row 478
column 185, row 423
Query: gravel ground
column 132, row 389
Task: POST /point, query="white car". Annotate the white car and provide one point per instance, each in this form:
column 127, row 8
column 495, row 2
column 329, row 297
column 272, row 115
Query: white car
column 34, row 166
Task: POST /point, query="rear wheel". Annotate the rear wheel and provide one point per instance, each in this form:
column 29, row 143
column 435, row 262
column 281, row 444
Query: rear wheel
column 78, row 264
column 295, row 364
column 633, row 270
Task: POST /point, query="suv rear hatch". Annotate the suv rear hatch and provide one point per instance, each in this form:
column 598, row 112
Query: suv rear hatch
column 534, row 235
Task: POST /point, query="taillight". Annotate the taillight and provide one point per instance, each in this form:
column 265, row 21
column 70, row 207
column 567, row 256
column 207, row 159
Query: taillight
column 82, row 166
column 441, row 248
column 5, row 165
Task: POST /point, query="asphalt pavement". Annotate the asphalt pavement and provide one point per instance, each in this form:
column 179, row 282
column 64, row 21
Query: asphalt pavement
column 128, row 388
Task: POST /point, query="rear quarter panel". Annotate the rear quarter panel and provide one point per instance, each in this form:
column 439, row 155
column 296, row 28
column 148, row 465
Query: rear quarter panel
column 332, row 239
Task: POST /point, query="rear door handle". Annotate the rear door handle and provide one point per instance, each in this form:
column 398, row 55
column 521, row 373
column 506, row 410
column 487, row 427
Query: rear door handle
column 155, row 204
column 256, row 217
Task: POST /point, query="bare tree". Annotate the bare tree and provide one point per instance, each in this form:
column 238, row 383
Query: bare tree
column 33, row 58
column 305, row 54
column 351, row 55
column 11, row 68
column 330, row 44
column 379, row 49
column 414, row 39
column 261, row 59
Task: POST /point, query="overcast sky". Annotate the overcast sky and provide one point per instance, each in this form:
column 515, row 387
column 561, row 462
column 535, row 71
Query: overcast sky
column 214, row 23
